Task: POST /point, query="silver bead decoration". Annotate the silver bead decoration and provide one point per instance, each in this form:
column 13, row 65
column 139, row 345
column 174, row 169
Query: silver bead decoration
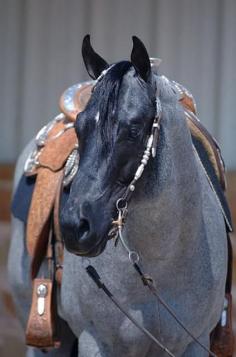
column 149, row 143
column 139, row 172
column 132, row 188
column 147, row 153
column 156, row 125
column 158, row 107
column 154, row 152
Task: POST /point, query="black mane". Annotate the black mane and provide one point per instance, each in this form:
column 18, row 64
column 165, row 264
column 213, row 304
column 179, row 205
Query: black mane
column 106, row 94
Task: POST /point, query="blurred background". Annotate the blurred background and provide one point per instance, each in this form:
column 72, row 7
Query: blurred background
column 40, row 57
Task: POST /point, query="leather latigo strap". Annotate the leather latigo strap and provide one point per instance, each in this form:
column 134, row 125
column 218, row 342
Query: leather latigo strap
column 40, row 328
column 58, row 243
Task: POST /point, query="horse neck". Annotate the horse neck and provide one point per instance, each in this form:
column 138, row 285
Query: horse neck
column 165, row 214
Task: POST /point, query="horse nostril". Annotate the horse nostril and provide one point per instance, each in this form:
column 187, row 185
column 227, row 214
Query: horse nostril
column 83, row 226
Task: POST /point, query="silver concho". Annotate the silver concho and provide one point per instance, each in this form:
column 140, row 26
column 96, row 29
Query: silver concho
column 42, row 292
column 71, row 167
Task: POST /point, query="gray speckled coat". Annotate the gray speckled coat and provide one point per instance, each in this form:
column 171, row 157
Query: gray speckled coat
column 176, row 225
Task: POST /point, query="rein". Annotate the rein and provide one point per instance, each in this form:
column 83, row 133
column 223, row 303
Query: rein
column 116, row 232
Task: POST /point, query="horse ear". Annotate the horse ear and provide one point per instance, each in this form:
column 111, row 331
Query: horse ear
column 140, row 59
column 94, row 63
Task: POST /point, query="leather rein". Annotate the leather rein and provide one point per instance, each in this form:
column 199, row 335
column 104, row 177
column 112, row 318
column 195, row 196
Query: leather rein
column 116, row 232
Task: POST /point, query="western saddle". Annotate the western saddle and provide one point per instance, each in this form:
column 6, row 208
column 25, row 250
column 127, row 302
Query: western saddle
column 50, row 162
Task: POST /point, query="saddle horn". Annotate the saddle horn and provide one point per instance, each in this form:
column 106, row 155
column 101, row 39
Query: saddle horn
column 94, row 63
column 140, row 59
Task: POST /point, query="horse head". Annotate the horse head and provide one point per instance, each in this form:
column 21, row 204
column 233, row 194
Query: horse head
column 112, row 130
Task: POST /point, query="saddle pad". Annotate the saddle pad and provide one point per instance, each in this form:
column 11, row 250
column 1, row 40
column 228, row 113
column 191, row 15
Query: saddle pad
column 22, row 198
column 23, row 195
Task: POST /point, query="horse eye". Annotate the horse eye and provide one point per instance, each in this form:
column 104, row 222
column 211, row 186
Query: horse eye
column 135, row 130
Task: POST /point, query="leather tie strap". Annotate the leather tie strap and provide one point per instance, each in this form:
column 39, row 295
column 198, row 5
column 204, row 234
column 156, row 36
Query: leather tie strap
column 38, row 224
column 40, row 327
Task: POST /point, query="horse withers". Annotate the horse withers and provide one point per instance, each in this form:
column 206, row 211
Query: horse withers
column 174, row 223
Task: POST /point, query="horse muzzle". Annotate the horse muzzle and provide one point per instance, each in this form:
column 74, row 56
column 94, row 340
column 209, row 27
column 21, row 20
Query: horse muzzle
column 80, row 235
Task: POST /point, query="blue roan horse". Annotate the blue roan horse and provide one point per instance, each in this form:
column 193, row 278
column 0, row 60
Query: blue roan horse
column 174, row 223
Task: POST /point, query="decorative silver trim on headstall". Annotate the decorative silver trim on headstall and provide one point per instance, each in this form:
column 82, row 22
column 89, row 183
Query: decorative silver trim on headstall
column 122, row 203
column 71, row 167
column 104, row 72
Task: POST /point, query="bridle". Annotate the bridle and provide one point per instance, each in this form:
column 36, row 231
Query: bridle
column 116, row 232
column 122, row 202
